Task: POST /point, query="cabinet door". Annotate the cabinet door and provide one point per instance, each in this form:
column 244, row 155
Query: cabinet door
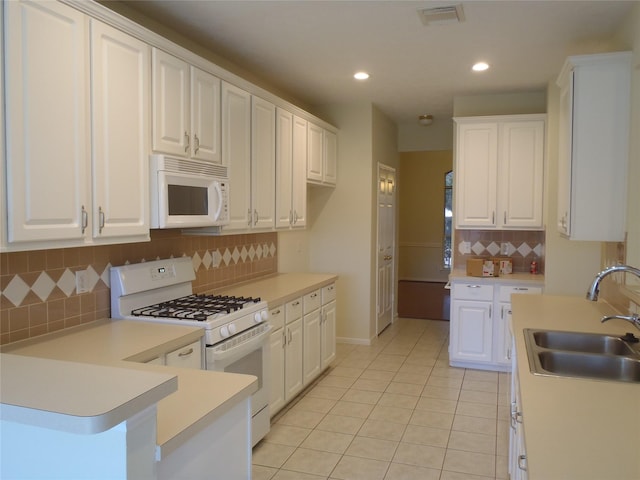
column 315, row 139
column 471, row 331
column 330, row 160
column 476, row 175
column 521, row 173
column 299, row 172
column 205, row 116
column 328, row 334
column 236, row 154
column 312, row 338
column 47, row 121
column 564, row 158
column 171, row 100
column 284, row 164
column 293, row 359
column 120, row 67
column 502, row 338
column 263, row 163
column 277, row 358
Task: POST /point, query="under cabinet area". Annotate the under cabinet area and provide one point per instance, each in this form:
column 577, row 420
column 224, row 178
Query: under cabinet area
column 595, row 103
column 479, row 325
column 322, row 156
column 88, row 118
column 499, row 171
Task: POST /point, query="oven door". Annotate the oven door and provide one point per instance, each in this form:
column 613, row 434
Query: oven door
column 246, row 353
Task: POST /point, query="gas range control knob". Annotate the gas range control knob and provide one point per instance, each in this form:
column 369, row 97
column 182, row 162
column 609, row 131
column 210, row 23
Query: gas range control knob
column 257, row 317
column 232, row 328
column 264, row 314
column 224, row 332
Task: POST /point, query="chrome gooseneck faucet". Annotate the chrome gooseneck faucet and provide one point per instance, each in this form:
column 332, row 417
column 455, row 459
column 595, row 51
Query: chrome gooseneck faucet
column 592, row 294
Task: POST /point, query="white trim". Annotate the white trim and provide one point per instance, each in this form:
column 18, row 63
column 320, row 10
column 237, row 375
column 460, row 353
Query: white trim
column 353, row 341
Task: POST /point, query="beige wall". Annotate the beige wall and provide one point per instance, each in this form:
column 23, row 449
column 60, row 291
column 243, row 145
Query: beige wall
column 421, row 207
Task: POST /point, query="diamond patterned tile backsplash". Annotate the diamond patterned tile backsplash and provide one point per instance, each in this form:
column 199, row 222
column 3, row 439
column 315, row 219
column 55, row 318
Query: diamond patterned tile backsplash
column 521, row 246
column 38, row 288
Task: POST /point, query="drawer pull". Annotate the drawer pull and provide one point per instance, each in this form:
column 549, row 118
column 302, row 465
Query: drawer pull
column 295, row 304
column 314, row 295
column 474, row 286
column 521, row 289
column 187, row 353
column 276, row 312
column 522, row 462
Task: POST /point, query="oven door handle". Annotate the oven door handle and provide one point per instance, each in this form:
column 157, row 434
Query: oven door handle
column 239, row 350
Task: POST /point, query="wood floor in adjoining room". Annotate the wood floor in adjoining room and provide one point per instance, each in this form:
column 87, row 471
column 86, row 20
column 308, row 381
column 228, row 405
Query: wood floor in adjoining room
column 428, row 300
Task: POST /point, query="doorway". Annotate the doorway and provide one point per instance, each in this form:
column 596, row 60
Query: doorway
column 385, row 265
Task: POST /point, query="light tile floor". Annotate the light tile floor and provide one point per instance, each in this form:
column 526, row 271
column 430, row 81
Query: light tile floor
column 393, row 410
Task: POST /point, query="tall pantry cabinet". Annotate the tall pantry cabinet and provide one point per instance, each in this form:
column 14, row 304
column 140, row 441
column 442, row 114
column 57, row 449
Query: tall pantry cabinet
column 76, row 128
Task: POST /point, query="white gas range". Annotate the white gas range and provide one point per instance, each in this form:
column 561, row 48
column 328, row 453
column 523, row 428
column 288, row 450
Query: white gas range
column 236, row 328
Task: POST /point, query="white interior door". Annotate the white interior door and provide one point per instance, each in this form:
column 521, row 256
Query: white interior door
column 386, row 246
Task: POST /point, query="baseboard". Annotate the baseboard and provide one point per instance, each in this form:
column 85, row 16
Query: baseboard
column 353, row 341
column 427, row 280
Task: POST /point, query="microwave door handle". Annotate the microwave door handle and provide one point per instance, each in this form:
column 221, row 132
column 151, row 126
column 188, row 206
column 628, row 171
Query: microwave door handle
column 216, row 186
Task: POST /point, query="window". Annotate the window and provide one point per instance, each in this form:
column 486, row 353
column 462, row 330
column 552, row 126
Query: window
column 448, row 219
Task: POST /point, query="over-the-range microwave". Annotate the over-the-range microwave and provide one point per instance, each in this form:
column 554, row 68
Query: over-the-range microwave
column 187, row 193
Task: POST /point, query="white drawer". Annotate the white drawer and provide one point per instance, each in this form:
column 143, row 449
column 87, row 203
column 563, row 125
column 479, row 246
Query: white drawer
column 311, row 301
column 189, row 356
column 328, row 293
column 472, row 291
column 505, row 292
column 293, row 310
column 276, row 317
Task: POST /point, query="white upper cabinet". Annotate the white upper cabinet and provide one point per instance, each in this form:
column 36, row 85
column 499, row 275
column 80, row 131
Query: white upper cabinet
column 499, row 171
column 595, row 103
column 186, row 109
column 236, row 148
column 322, row 155
column 291, row 164
column 120, row 77
column 77, row 133
column 47, row 121
column 263, row 163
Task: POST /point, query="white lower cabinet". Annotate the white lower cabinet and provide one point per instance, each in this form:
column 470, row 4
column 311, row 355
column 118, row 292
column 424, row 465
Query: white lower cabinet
column 303, row 343
column 479, row 326
column 189, row 356
column 517, row 451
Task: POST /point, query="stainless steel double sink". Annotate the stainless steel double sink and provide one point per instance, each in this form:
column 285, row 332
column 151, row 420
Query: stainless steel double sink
column 585, row 355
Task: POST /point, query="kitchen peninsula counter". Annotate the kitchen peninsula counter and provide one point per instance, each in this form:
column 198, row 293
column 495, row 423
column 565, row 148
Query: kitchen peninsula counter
column 575, row 428
column 537, row 280
column 281, row 287
column 116, row 346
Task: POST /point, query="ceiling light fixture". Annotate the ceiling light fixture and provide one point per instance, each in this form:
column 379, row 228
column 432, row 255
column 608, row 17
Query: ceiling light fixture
column 361, row 76
column 425, row 120
column 480, row 67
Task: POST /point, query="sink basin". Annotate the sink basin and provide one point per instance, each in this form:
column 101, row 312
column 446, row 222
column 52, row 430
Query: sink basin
column 582, row 355
column 582, row 342
column 607, row 367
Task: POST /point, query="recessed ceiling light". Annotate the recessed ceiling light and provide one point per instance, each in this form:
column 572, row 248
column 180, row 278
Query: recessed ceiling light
column 480, row 67
column 361, row 76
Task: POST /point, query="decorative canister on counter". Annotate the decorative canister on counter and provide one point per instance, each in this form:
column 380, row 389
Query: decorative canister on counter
column 534, row 268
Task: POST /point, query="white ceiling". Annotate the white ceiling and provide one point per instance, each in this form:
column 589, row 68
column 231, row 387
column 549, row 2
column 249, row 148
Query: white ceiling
column 312, row 48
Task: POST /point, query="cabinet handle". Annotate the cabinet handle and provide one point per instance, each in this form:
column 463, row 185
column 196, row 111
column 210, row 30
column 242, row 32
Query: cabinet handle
column 101, row 219
column 290, row 337
column 196, row 140
column 255, row 217
column 187, row 142
column 522, row 462
column 276, row 312
column 331, row 287
column 474, row 286
column 291, row 222
column 296, row 303
column 508, row 354
column 85, row 219
column 512, row 419
column 314, row 295
column 250, row 217
column 284, row 338
column 295, row 217
column 522, row 289
column 187, row 353
column 505, row 217
column 490, row 310
column 493, row 218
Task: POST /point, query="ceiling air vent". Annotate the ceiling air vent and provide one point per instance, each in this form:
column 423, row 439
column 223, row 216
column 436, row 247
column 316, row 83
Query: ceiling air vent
column 442, row 15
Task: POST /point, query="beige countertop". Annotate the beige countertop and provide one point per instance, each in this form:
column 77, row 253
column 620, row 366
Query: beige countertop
column 282, row 287
column 575, row 428
column 461, row 275
column 202, row 396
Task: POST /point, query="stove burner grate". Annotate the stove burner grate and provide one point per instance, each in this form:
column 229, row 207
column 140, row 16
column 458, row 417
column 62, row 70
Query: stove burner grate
column 198, row 307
